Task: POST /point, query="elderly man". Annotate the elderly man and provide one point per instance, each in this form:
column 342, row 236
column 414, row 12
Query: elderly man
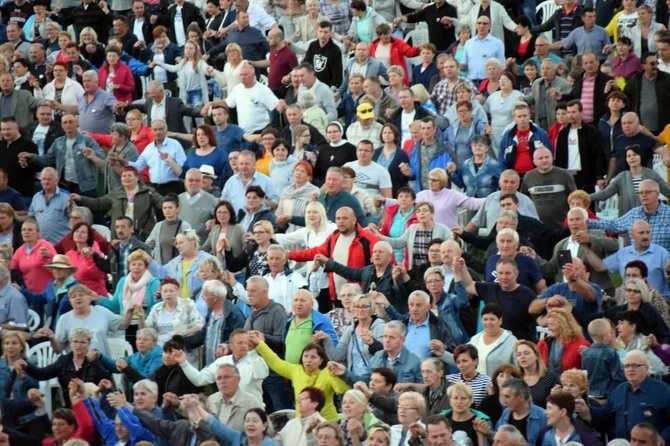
column 350, row 245
column 515, row 396
column 364, row 64
column 77, row 173
column 656, row 257
column 655, row 213
column 545, row 105
column 164, row 157
column 195, row 205
column 269, row 318
column 222, row 319
column 487, row 215
column 371, row 177
column 305, row 319
column 652, row 399
column 520, row 303
column 19, row 103
column 253, row 369
column 50, row 207
column 235, row 189
column 395, row 355
column 13, row 306
column 283, row 282
column 579, row 149
column 518, row 143
column 580, row 243
column 231, row 402
column 312, row 82
column 633, row 136
column 11, row 145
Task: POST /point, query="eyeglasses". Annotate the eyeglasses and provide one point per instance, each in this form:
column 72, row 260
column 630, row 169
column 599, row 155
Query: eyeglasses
column 631, row 290
column 633, row 366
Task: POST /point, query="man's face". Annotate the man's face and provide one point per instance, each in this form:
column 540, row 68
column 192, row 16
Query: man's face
column 345, row 221
column 193, row 183
column 124, row 230
column 227, row 382
column 590, row 64
column 138, row 9
column 522, row 118
column 10, row 131
column 246, row 165
column 509, row 184
column 641, row 233
column 438, row 435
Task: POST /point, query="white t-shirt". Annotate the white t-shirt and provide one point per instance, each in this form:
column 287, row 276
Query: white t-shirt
column 253, row 106
column 100, row 321
column 574, row 159
column 371, row 178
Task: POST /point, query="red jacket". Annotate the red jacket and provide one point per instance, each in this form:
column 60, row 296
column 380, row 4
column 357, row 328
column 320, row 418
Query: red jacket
column 399, row 50
column 360, row 252
column 123, row 77
column 572, row 357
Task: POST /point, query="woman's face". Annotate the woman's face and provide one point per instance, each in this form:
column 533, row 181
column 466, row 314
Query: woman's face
column 525, row 356
column 112, row 58
column 169, row 293
column 311, row 360
column 170, row 210
column 460, row 403
column 491, row 323
column 572, row 388
column 253, row 201
column 387, row 135
column 137, row 268
column 378, row 438
column 81, row 235
column 61, row 429
column 202, row 138
column 351, row 409
column 395, row 79
column 466, row 365
column 313, row 218
column 80, row 345
column 261, row 236
column 223, row 215
column 300, row 175
column 30, row 233
column 281, row 153
column 12, row 347
column 144, row 343
column 334, row 134
column 633, row 159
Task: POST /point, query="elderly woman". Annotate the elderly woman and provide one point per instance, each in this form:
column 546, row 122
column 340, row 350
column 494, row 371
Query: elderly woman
column 398, row 217
column 467, row 359
column 627, row 183
column 137, row 289
column 184, row 267
column 115, row 77
column 358, row 342
column 342, row 318
column 478, row 175
column 30, row 259
column 17, row 384
column 491, row 404
column 295, row 197
column 411, row 406
column 561, row 350
column 254, row 257
column 92, row 268
column 255, row 210
column 144, row 361
column 119, row 142
column 446, row 201
column 161, row 239
column 74, row 364
column 171, row 315
column 417, row 236
column 500, row 104
column 396, row 81
column 226, row 228
column 534, row 373
column 460, row 132
column 562, row 426
column 357, row 417
column 463, row 417
column 311, row 371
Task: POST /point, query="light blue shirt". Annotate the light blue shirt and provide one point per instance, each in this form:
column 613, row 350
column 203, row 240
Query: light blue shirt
column 52, row 215
column 418, row 338
column 477, row 51
column 234, row 191
column 160, row 171
column 655, row 257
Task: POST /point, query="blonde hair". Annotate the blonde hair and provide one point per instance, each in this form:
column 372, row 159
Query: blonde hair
column 570, row 328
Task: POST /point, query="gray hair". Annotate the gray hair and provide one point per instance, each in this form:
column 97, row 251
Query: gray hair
column 509, row 214
column 508, row 231
column 397, row 325
column 421, row 294
column 148, row 332
column 306, row 99
column 90, row 74
column 120, row 128
column 5, row 276
column 148, row 385
column 215, row 288
column 513, row 434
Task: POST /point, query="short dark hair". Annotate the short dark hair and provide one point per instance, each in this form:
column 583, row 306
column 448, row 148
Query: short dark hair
column 388, row 374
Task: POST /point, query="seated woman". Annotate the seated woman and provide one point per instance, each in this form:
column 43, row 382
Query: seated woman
column 357, row 417
column 561, row 350
column 465, row 419
column 161, row 239
column 145, row 361
column 411, row 406
column 312, row 369
column 92, row 269
column 467, row 359
column 172, row 315
column 70, row 365
column 358, row 343
column 562, row 426
column 138, row 288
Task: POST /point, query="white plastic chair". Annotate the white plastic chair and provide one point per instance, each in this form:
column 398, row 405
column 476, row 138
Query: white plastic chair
column 103, row 231
column 542, row 332
column 547, row 8
column 43, row 354
column 119, row 348
column 33, row 320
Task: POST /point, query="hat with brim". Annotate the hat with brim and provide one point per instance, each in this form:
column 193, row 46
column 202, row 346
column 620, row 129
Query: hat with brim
column 365, row 111
column 61, row 261
column 207, row 171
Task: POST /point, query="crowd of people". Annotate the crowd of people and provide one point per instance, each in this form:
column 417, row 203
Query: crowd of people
column 334, row 223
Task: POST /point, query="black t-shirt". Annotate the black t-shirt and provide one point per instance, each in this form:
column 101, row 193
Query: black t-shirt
column 521, row 424
column 516, row 317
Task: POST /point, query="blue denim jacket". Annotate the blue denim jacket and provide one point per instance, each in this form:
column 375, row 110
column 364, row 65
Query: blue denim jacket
column 604, row 369
column 87, row 171
column 536, row 422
